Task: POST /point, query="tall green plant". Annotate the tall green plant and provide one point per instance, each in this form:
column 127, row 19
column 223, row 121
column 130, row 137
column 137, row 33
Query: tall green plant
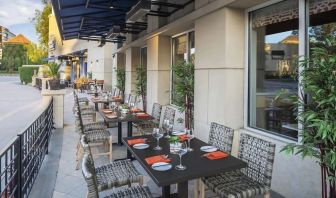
column 54, row 69
column 184, row 81
column 141, row 84
column 121, row 75
column 317, row 113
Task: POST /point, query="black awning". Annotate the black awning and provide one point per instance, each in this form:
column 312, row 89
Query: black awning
column 105, row 20
column 92, row 19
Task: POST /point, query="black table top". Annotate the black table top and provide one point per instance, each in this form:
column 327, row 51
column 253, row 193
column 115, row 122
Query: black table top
column 129, row 117
column 102, row 100
column 197, row 166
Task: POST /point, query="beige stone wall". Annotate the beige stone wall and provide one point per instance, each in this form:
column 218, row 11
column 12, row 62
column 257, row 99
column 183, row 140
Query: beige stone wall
column 219, row 70
column 132, row 61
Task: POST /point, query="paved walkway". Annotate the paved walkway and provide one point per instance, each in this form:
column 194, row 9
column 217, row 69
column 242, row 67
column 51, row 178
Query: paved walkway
column 20, row 105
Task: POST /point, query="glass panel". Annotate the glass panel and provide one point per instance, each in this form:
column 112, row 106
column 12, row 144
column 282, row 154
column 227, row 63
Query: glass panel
column 180, row 53
column 144, row 57
column 180, row 49
column 322, row 22
column 273, row 54
column 192, row 47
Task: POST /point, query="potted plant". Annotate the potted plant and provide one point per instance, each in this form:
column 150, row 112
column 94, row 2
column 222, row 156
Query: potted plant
column 121, row 75
column 54, row 83
column 184, row 90
column 141, row 85
column 317, row 112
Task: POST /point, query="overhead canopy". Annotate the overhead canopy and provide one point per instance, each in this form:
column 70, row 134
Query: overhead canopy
column 92, row 18
column 106, row 20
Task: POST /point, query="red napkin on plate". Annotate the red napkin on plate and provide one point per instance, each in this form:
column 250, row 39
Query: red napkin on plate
column 216, row 155
column 158, row 158
column 107, row 110
column 142, row 115
column 136, row 110
column 183, row 137
column 136, row 141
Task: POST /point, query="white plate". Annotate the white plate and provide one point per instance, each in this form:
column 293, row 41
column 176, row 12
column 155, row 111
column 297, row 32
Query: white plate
column 208, row 149
column 178, row 133
column 140, row 146
column 161, row 166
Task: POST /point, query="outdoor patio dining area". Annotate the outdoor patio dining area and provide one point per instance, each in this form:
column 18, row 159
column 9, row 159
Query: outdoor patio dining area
column 93, row 162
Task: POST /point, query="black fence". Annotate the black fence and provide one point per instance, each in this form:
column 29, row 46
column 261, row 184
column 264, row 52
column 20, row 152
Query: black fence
column 22, row 159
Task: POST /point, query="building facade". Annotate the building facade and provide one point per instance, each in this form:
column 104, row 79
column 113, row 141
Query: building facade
column 5, row 35
column 244, row 53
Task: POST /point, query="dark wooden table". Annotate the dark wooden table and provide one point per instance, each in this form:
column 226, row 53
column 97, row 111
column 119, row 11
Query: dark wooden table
column 129, row 118
column 197, row 166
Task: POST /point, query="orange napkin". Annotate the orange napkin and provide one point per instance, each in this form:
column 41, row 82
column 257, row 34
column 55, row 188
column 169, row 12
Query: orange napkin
column 107, row 110
column 183, row 137
column 116, row 97
column 136, row 141
column 155, row 159
column 144, row 115
column 216, row 155
column 136, row 110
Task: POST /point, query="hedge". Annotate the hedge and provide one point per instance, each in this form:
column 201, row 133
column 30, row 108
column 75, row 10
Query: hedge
column 26, row 74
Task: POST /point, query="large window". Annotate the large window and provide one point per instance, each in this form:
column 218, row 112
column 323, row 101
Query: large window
column 273, row 61
column 183, row 50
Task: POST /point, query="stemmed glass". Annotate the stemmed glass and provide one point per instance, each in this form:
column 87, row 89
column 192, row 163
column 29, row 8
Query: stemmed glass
column 166, row 127
column 181, row 150
column 190, row 137
column 157, row 134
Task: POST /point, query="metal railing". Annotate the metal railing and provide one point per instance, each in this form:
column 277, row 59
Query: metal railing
column 22, row 159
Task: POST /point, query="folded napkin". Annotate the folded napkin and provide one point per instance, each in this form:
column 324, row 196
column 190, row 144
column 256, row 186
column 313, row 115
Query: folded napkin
column 136, row 141
column 136, row 110
column 158, row 158
column 216, row 155
column 115, row 97
column 183, row 137
column 107, row 110
column 142, row 115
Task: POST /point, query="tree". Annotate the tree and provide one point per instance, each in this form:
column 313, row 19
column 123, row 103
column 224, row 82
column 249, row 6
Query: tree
column 317, row 112
column 41, row 21
column 14, row 56
column 35, row 54
column 184, row 90
column 121, row 75
column 141, row 84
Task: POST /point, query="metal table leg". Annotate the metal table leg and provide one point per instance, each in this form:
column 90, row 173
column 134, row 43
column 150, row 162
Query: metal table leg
column 182, row 189
column 129, row 134
column 119, row 133
column 165, row 191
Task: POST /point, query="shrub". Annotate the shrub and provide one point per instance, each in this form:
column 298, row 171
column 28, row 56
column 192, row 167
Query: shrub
column 26, row 74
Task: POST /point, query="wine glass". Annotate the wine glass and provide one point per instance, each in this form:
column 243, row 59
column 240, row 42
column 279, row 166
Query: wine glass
column 190, row 137
column 165, row 127
column 182, row 150
column 157, row 134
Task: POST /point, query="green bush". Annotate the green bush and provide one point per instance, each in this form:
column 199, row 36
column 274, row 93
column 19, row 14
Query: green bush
column 26, row 74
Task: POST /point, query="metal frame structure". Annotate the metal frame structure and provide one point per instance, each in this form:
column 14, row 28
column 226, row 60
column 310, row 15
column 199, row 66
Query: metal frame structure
column 94, row 19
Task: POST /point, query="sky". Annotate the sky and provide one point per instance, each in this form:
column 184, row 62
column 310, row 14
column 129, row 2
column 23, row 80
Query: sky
column 16, row 15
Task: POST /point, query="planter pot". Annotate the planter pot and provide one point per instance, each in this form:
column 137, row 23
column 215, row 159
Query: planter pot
column 54, row 84
column 174, row 147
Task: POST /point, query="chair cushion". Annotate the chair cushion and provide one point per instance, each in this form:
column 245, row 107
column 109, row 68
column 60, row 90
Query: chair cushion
column 97, row 136
column 132, row 192
column 118, row 173
column 234, row 184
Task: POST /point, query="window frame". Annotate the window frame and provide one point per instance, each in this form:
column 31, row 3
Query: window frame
column 302, row 51
column 187, row 33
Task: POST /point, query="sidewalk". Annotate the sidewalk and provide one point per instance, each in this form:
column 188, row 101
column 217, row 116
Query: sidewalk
column 20, row 105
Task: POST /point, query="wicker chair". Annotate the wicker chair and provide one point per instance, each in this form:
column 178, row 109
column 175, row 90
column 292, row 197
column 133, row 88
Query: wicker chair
column 169, row 115
column 221, row 137
column 95, row 182
column 147, row 126
column 96, row 133
column 247, row 182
